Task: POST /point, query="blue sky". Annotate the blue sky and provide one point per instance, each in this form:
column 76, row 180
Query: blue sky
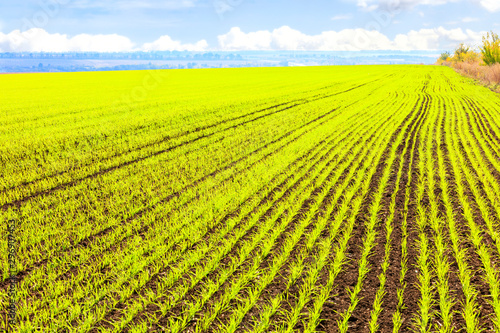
column 123, row 25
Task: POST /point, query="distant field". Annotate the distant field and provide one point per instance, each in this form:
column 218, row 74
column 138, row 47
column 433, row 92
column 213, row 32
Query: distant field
column 333, row 199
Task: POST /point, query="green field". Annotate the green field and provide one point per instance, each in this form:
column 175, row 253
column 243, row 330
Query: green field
column 318, row 199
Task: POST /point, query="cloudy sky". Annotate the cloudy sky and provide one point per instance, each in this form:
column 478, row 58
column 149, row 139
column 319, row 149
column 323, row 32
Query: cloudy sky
column 203, row 25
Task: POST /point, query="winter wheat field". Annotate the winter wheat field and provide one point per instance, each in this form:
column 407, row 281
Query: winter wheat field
column 319, row 199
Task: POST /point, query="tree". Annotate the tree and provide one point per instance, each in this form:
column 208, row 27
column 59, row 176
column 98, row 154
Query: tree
column 460, row 52
column 445, row 56
column 491, row 49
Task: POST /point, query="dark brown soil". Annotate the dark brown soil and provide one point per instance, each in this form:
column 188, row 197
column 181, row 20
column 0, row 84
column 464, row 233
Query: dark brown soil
column 289, row 228
column 390, row 301
column 473, row 259
column 106, row 170
column 323, row 160
column 278, row 286
column 359, row 320
column 266, row 214
column 88, row 241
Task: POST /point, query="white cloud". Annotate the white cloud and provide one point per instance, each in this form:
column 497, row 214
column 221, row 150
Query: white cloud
column 165, row 43
column 283, row 38
column 286, row 38
column 342, row 17
column 133, row 4
column 469, row 19
column 438, row 38
column 463, row 20
column 39, row 40
column 395, row 5
column 236, row 39
column 491, row 5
